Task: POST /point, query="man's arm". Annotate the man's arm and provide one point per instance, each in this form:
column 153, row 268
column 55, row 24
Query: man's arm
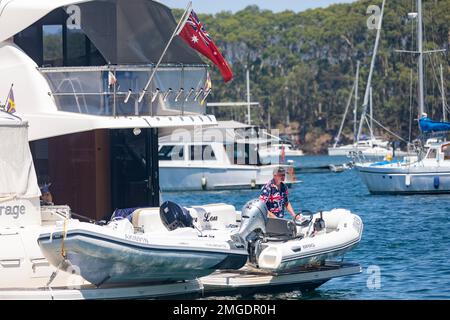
column 290, row 209
column 270, row 214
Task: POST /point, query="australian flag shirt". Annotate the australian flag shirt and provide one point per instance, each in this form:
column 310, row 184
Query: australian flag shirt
column 275, row 199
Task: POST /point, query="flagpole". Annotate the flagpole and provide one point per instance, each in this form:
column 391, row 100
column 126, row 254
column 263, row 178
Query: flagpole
column 177, row 31
column 9, row 93
column 7, row 98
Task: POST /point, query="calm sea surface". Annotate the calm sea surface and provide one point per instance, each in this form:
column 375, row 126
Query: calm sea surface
column 405, row 238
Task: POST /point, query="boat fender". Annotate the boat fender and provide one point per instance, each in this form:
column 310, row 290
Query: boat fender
column 407, row 180
column 253, row 183
column 319, row 224
column 204, row 183
column 436, row 182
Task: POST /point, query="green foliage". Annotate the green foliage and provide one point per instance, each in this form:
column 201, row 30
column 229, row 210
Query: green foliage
column 303, row 62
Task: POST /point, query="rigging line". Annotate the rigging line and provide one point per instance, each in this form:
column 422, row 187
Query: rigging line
column 368, row 125
column 435, row 75
column 395, row 135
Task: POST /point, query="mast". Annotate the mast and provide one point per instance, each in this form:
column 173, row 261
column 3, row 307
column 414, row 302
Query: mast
column 355, row 85
column 369, row 80
column 355, row 110
column 343, row 119
column 444, row 103
column 249, row 119
column 371, row 114
column 420, row 52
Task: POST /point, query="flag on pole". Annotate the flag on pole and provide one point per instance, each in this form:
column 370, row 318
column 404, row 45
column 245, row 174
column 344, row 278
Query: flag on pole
column 10, row 105
column 112, row 80
column 208, row 81
column 195, row 35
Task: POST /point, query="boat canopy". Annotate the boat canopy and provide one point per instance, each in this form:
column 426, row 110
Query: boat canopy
column 124, row 31
column 427, row 125
column 134, row 32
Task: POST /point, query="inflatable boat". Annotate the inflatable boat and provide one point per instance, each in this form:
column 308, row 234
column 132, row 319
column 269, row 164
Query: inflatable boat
column 120, row 253
column 285, row 245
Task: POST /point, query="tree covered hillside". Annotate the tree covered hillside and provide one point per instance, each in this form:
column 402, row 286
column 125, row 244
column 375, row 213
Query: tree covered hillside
column 303, row 64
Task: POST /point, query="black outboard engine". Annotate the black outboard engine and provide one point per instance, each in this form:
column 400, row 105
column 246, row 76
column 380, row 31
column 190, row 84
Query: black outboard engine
column 175, row 216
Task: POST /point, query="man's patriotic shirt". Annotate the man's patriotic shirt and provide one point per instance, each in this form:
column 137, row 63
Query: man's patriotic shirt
column 275, row 199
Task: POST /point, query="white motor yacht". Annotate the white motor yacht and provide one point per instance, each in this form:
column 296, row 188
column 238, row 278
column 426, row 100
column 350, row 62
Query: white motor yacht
column 25, row 273
column 214, row 159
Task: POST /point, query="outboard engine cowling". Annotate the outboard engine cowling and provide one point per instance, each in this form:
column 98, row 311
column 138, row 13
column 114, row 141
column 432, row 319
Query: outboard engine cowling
column 174, row 216
column 253, row 219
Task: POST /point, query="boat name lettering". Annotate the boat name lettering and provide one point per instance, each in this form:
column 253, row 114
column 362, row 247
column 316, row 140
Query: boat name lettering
column 13, row 211
column 208, row 217
column 309, row 245
column 135, row 238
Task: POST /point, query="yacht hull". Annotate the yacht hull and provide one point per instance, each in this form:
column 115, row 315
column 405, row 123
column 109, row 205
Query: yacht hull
column 410, row 180
column 192, row 178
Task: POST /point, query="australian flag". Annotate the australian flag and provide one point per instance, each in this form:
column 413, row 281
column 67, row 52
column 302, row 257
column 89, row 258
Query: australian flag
column 195, row 35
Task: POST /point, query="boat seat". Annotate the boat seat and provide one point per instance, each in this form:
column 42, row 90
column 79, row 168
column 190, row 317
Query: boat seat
column 147, row 220
column 280, row 229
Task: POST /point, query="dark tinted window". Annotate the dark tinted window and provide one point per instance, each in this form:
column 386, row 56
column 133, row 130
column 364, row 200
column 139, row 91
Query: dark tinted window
column 167, row 153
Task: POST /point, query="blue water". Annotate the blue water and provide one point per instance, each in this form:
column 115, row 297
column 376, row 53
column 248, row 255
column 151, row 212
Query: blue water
column 405, row 248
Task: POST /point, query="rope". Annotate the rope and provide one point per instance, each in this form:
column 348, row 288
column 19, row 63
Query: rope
column 395, row 135
column 63, row 251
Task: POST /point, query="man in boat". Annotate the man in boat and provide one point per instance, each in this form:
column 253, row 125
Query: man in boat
column 275, row 195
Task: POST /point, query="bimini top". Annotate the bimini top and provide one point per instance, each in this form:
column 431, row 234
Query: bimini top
column 124, row 31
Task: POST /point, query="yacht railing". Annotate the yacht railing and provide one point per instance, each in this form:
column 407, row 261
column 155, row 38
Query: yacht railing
column 114, row 90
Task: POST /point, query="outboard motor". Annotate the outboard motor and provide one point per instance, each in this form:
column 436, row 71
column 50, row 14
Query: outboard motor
column 174, row 216
column 253, row 226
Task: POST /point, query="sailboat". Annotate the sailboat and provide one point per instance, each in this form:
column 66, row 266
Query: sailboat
column 427, row 173
column 372, row 147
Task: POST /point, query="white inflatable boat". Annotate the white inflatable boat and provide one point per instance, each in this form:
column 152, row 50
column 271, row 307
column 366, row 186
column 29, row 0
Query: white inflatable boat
column 283, row 245
column 169, row 250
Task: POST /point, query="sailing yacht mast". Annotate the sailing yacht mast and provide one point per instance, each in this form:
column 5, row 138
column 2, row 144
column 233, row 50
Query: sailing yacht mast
column 420, row 52
column 371, row 114
column 369, row 80
column 355, row 110
column 444, row 103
